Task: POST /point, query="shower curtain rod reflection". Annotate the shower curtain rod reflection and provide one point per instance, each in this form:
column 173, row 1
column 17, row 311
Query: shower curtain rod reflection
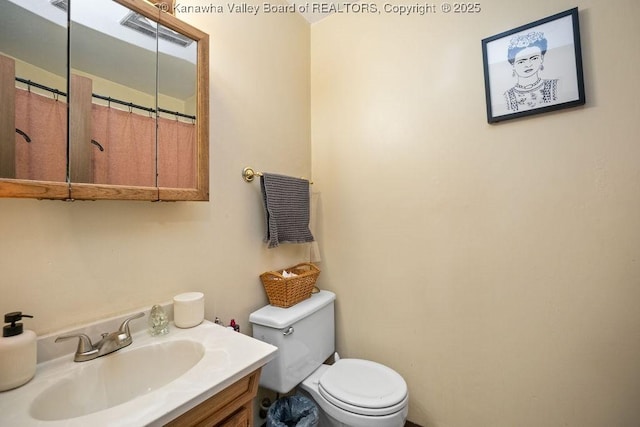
column 108, row 99
column 39, row 86
column 140, row 107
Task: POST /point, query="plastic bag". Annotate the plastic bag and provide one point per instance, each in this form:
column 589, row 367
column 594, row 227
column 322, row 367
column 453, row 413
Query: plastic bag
column 290, row 411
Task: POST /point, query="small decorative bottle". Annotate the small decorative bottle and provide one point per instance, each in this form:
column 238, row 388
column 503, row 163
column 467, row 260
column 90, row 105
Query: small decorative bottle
column 158, row 321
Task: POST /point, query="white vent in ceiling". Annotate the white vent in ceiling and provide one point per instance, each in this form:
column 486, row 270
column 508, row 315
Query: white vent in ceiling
column 139, row 23
column 61, row 4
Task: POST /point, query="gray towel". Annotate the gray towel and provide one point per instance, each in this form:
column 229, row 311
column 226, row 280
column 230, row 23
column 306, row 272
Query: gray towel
column 286, row 203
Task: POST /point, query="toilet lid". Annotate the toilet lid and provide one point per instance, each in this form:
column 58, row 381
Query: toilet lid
column 363, row 387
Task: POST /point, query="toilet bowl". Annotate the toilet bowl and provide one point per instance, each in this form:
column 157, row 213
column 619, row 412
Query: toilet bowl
column 349, row 393
column 358, row 393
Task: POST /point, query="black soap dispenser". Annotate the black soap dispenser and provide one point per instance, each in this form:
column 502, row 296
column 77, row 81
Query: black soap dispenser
column 18, row 352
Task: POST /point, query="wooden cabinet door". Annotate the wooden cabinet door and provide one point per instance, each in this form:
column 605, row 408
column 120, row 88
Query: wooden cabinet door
column 239, row 419
column 232, row 407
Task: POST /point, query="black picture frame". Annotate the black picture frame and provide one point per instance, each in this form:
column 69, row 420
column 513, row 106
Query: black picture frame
column 534, row 68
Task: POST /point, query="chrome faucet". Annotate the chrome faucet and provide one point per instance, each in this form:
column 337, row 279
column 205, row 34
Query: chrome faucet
column 109, row 343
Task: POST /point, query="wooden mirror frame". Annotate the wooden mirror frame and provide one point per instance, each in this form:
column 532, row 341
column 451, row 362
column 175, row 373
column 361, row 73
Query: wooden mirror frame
column 22, row 188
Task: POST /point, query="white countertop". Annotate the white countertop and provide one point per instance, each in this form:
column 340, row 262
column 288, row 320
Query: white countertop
column 213, row 373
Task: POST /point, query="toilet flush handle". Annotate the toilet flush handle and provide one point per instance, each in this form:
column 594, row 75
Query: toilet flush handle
column 289, row 331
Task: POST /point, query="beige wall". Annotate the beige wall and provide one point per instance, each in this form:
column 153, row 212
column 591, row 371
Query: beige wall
column 494, row 266
column 71, row 263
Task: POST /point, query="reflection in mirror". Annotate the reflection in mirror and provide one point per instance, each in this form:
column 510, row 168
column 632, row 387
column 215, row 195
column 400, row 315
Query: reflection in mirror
column 177, row 96
column 112, row 101
column 33, row 85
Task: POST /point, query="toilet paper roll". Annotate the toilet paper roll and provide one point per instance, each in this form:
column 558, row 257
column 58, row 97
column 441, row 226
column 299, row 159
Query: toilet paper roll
column 188, row 309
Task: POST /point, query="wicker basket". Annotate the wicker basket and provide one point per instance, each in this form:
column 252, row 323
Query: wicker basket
column 287, row 291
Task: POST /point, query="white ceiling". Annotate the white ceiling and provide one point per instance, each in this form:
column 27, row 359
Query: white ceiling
column 35, row 32
column 315, row 9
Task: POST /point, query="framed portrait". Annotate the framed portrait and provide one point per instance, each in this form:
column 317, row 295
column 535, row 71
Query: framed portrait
column 534, row 68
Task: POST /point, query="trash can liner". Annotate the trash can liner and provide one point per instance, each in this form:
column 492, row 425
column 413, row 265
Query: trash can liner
column 291, row 411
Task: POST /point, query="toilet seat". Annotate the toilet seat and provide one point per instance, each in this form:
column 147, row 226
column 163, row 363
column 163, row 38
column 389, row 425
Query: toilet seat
column 363, row 387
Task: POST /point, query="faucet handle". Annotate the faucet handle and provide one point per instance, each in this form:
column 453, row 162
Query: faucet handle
column 124, row 328
column 84, row 343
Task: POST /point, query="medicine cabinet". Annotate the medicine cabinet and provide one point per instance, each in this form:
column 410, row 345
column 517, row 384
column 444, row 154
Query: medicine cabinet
column 106, row 99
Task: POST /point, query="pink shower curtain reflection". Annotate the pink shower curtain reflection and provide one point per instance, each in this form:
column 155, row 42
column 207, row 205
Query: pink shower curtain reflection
column 44, row 120
column 130, row 155
column 129, row 146
column 176, row 154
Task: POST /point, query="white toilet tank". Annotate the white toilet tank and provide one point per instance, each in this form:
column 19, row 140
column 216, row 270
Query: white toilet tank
column 304, row 335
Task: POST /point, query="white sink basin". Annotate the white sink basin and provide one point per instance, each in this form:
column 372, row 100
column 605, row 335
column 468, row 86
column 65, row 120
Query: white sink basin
column 115, row 379
column 148, row 383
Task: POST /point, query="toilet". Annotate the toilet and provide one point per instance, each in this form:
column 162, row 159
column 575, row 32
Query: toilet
column 350, row 392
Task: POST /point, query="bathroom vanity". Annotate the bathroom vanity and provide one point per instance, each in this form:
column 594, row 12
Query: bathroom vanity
column 202, row 376
column 232, row 407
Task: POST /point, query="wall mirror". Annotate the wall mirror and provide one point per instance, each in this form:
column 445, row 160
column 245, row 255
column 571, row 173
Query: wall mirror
column 137, row 83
